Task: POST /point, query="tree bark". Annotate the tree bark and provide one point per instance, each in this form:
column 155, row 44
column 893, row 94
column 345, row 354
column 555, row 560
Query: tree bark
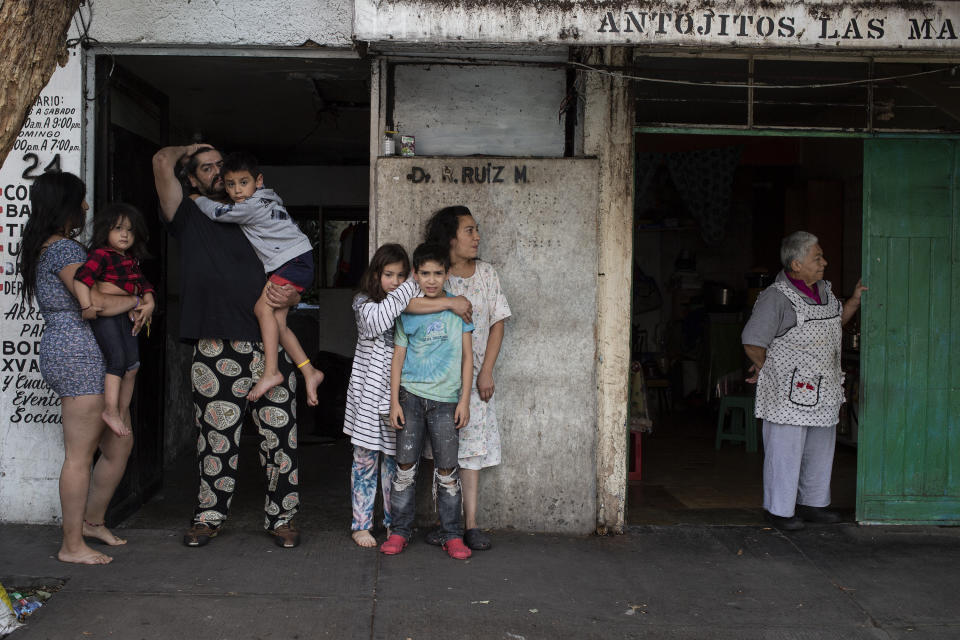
column 33, row 40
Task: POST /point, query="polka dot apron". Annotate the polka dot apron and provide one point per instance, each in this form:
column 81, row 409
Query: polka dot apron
column 801, row 381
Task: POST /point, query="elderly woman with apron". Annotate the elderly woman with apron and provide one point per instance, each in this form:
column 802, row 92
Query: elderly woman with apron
column 793, row 340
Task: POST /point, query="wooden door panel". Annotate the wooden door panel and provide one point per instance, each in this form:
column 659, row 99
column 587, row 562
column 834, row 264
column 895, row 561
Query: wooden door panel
column 909, row 465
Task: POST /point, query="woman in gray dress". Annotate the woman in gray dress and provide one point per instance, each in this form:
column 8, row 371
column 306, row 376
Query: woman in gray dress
column 71, row 362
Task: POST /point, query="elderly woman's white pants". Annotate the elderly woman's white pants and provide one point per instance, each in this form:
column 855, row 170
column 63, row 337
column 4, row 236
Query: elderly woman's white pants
column 797, row 465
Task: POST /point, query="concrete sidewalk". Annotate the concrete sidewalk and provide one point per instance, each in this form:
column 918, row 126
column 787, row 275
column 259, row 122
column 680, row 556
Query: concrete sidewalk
column 655, row 582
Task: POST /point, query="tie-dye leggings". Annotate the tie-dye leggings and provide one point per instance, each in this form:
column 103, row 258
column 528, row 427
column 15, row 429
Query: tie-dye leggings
column 363, row 483
column 222, row 373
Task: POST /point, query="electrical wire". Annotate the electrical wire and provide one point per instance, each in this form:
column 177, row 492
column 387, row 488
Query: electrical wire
column 737, row 85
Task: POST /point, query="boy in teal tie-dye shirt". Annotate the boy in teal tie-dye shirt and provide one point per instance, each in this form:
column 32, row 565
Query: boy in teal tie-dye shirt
column 432, row 357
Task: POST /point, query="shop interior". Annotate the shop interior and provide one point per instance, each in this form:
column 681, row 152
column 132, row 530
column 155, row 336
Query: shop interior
column 306, row 119
column 710, row 211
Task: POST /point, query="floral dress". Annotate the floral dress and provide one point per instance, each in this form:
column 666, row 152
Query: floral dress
column 480, row 440
column 70, row 360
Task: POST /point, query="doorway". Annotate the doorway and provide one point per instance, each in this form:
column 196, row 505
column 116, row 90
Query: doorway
column 307, row 120
column 710, row 212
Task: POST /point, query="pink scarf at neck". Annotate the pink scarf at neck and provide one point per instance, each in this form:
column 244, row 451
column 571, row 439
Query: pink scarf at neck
column 810, row 292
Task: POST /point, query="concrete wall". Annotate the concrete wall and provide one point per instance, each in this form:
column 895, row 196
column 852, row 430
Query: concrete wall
column 265, row 23
column 539, row 232
column 31, row 433
column 477, row 110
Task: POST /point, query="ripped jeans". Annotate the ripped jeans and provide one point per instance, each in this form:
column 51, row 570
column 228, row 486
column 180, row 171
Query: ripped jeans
column 426, row 418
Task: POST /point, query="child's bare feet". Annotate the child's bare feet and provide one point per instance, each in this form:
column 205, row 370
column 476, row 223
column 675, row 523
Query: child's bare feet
column 364, row 539
column 113, row 420
column 100, row 532
column 83, row 555
column 312, row 380
column 266, row 382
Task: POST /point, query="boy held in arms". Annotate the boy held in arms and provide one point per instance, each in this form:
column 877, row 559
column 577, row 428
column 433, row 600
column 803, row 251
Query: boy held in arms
column 287, row 257
column 430, row 377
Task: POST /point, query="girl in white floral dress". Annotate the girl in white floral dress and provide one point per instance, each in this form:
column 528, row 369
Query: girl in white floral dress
column 456, row 228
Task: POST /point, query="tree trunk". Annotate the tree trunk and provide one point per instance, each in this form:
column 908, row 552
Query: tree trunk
column 33, row 39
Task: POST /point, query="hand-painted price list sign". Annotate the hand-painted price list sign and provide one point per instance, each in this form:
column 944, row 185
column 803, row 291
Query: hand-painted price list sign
column 49, row 140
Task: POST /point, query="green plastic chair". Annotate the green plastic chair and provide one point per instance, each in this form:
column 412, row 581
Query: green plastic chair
column 742, row 426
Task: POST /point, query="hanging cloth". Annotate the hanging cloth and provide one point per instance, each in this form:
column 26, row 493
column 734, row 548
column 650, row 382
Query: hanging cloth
column 705, row 182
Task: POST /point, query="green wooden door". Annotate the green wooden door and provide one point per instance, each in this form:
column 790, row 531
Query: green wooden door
column 909, row 441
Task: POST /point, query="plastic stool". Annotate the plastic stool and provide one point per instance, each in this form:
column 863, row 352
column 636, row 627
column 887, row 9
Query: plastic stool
column 634, row 458
column 743, row 426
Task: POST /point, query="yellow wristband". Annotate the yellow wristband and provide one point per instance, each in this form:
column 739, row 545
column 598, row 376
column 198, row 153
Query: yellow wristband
column 307, row 361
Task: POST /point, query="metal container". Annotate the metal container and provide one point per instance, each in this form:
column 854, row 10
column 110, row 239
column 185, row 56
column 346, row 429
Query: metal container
column 720, row 297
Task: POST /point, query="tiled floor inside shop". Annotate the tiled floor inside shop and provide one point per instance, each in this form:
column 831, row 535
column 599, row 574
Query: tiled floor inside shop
column 685, row 480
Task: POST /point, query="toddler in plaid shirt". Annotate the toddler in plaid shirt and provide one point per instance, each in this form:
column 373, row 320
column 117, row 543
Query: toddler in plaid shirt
column 113, row 266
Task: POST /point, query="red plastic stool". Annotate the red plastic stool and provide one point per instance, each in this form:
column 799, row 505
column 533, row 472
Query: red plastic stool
column 633, row 473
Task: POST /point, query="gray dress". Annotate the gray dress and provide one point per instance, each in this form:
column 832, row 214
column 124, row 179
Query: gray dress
column 70, row 359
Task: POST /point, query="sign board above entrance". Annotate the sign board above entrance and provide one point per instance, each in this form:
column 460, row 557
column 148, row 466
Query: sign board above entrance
column 827, row 25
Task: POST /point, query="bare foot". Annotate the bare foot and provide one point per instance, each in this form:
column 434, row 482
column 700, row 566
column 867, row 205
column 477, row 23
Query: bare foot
column 266, row 382
column 115, row 422
column 83, row 555
column 364, row 539
column 100, row 532
column 312, row 380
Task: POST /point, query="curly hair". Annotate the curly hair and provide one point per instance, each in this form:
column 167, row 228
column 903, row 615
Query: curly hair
column 443, row 225
column 104, row 221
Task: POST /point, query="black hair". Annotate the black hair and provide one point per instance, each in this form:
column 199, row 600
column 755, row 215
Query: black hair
column 386, row 254
column 107, row 219
column 240, row 161
column 430, row 251
column 443, row 225
column 56, row 207
column 189, row 167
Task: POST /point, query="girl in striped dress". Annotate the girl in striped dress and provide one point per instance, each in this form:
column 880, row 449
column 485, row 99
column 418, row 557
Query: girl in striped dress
column 384, row 294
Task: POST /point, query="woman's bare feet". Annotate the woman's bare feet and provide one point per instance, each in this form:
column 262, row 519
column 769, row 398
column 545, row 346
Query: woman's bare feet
column 266, row 382
column 312, row 380
column 364, row 539
column 113, row 420
column 83, row 555
column 100, row 532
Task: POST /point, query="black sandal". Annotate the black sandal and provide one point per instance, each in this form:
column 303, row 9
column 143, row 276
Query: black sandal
column 477, row 540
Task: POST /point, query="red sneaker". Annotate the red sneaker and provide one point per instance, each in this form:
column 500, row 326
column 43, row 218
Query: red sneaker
column 456, row 549
column 394, row 545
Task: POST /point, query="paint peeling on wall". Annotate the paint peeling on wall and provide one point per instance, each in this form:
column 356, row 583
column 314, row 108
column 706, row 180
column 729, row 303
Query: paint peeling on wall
column 860, row 25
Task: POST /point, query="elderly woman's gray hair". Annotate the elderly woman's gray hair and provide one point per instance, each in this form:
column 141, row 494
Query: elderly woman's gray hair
column 796, row 246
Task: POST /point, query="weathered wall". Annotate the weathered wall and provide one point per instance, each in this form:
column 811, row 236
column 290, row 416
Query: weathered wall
column 829, row 24
column 265, row 23
column 477, row 110
column 31, row 433
column 540, row 234
column 608, row 135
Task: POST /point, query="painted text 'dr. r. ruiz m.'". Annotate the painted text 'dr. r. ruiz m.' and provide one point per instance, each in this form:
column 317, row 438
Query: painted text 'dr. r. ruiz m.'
column 710, row 24
column 488, row 173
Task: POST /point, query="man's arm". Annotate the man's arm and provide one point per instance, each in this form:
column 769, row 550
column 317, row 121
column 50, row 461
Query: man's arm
column 169, row 189
column 280, row 296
